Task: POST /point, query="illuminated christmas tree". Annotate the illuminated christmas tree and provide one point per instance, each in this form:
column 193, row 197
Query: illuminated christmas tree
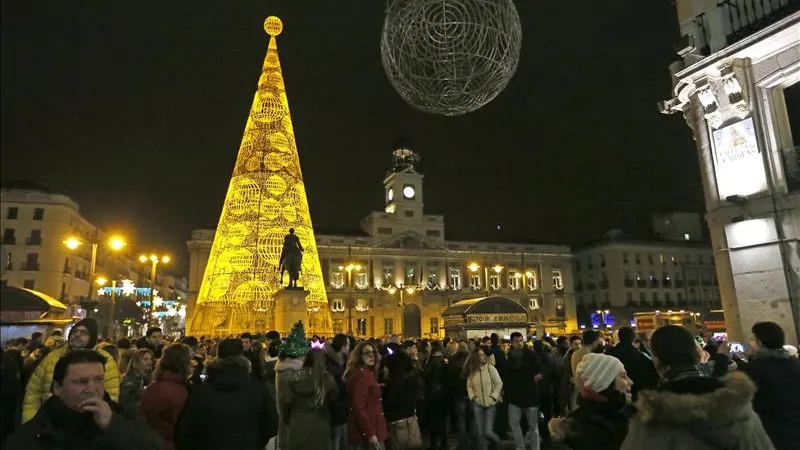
column 266, row 197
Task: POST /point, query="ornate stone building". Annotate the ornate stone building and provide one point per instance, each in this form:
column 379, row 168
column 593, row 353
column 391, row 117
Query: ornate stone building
column 400, row 273
column 738, row 86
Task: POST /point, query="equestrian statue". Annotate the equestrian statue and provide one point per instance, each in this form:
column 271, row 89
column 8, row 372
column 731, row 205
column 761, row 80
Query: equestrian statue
column 291, row 258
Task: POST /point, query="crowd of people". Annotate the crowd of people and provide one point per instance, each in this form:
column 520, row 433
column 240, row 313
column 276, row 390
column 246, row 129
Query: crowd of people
column 658, row 390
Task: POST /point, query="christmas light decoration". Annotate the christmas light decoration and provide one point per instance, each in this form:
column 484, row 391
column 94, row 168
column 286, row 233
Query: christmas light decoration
column 265, row 198
column 450, row 57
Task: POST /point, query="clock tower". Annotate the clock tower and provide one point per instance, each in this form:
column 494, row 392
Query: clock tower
column 403, row 186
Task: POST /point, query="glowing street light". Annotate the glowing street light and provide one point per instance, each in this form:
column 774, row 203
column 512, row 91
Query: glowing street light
column 154, row 262
column 101, row 281
column 115, row 243
column 72, row 243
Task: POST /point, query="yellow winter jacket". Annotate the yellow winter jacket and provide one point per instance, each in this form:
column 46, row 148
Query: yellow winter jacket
column 39, row 386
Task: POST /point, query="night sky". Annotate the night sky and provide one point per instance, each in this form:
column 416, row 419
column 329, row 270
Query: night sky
column 136, row 110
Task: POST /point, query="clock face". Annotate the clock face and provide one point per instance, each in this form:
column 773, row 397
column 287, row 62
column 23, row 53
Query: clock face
column 408, row 192
column 391, row 194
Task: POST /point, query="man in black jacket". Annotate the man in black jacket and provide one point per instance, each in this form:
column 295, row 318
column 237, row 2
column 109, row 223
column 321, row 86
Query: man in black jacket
column 335, row 361
column 521, row 389
column 80, row 414
column 640, row 368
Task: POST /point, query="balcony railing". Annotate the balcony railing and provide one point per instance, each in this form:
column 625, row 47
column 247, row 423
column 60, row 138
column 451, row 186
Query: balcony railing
column 628, row 282
column 9, row 240
column 33, row 241
column 31, row 267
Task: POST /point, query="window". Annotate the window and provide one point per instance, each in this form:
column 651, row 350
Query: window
column 29, row 284
column 679, row 295
column 642, row 297
column 432, row 233
column 338, row 326
column 494, row 281
column 455, row 278
column 388, row 325
column 699, row 259
column 409, row 213
column 435, row 326
column 9, row 265
column 558, row 280
column 337, row 279
column 13, row 212
column 411, row 274
column 337, row 305
column 674, row 260
column 638, row 258
column 32, row 262
column 388, row 274
column 530, row 280
column 361, row 327
column 361, row 280
column 38, row 214
column 629, row 296
column 533, row 304
column 36, row 237
column 433, row 277
column 667, row 297
column 661, row 259
column 9, row 237
column 384, row 230
column 475, row 281
column 624, row 257
column 655, row 296
column 791, row 150
column 514, row 280
column 650, row 259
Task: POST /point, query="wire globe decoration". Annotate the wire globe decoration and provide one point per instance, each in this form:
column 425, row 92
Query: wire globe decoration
column 450, row 57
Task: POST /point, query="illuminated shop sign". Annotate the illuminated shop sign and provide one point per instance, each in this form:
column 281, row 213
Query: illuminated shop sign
column 496, row 318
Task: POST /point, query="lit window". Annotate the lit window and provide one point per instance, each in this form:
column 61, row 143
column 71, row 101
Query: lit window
column 338, row 326
column 388, row 275
column 531, row 281
column 433, row 277
column 337, row 279
column 533, row 304
column 337, row 305
column 455, row 278
column 558, row 280
column 388, row 325
column 475, row 281
column 661, row 258
column 411, row 274
column 514, row 280
column 435, row 326
column 494, row 281
column 361, row 280
column 361, row 327
column 686, row 237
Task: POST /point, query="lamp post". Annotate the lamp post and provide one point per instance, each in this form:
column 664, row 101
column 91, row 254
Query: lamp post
column 402, row 290
column 154, row 261
column 115, row 243
column 474, row 267
column 349, row 269
column 602, row 314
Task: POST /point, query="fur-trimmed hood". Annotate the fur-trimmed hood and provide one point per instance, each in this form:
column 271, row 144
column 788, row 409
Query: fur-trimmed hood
column 288, row 364
column 723, row 416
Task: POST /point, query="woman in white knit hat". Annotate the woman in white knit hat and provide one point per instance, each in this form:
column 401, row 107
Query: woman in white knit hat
column 601, row 420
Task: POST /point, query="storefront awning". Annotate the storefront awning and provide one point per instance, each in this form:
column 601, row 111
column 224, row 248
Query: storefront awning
column 485, row 305
column 21, row 299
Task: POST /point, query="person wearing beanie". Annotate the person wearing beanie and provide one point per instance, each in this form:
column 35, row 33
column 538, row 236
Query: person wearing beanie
column 689, row 409
column 601, row 420
column 82, row 335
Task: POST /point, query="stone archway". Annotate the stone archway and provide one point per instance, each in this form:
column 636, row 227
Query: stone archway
column 412, row 321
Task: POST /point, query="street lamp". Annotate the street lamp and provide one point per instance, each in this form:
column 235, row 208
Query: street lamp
column 349, row 269
column 407, row 290
column 115, row 243
column 154, row 260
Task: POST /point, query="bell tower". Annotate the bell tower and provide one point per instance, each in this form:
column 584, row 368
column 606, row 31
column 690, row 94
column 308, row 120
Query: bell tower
column 403, row 186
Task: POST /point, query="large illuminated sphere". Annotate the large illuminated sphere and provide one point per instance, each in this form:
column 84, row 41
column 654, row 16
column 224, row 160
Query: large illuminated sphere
column 450, row 57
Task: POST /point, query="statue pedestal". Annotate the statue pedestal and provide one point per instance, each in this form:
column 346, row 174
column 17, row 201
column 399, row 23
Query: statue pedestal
column 290, row 306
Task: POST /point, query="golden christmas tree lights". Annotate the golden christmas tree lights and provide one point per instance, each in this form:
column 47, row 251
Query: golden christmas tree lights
column 265, row 198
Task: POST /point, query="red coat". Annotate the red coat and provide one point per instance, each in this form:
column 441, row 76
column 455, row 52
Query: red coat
column 365, row 408
column 162, row 405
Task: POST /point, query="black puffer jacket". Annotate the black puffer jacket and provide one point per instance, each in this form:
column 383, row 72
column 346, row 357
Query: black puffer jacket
column 334, row 363
column 597, row 424
column 230, row 411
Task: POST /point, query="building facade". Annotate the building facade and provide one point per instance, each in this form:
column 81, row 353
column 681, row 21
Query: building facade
column 618, row 276
column 738, row 86
column 399, row 273
column 35, row 225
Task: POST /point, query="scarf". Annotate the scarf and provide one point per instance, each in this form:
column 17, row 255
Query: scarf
column 675, row 374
